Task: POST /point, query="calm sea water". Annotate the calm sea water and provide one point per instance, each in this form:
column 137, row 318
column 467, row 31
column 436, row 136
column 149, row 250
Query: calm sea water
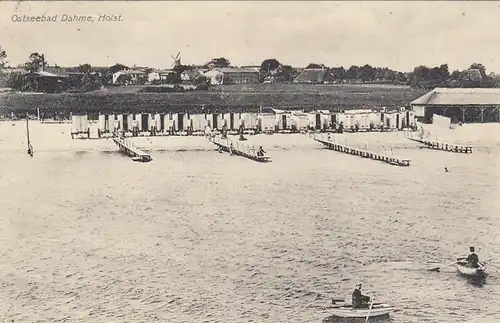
column 198, row 236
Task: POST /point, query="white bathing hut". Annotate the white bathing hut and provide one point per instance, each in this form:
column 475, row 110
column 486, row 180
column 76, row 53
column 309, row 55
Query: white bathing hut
column 120, row 119
column 101, row 125
column 197, row 122
column 267, row 122
column 79, row 124
column 130, row 122
column 283, row 119
column 320, row 119
column 215, row 120
column 168, row 122
column 232, row 120
column 113, row 124
column 249, row 120
column 300, row 120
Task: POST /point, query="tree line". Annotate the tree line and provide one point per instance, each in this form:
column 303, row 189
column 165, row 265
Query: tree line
column 272, row 70
column 421, row 77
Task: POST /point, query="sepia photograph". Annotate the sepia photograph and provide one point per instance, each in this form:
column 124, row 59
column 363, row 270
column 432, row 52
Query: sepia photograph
column 250, row 161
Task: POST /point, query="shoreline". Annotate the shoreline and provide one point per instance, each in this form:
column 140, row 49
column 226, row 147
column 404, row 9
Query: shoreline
column 57, row 137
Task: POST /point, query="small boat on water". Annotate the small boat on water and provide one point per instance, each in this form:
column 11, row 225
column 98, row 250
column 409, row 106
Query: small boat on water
column 397, row 162
column 468, row 271
column 377, row 310
column 143, row 158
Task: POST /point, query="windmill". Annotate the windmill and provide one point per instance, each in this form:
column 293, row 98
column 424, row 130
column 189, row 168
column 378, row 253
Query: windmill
column 177, row 60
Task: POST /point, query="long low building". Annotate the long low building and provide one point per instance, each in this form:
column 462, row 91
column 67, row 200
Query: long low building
column 466, row 105
column 269, row 121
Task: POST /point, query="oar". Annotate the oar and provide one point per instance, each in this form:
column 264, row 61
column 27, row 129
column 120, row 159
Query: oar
column 436, row 269
column 369, row 310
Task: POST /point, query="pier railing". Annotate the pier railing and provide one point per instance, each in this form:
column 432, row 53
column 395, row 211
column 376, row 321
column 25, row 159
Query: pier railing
column 363, row 153
column 250, row 152
column 436, row 145
column 127, row 147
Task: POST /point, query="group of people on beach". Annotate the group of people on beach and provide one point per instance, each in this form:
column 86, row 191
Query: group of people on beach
column 362, row 301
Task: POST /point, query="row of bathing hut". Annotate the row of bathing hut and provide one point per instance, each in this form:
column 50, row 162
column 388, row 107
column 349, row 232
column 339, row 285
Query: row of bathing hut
column 265, row 122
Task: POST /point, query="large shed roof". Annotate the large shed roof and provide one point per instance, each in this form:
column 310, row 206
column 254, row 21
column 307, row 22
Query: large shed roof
column 311, row 75
column 460, row 96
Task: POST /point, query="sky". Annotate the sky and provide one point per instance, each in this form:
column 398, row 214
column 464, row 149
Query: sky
column 395, row 34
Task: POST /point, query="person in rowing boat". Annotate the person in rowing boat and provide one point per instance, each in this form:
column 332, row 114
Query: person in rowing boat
column 359, row 300
column 261, row 151
column 472, row 259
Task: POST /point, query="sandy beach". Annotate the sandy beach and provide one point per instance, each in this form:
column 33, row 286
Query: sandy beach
column 57, row 137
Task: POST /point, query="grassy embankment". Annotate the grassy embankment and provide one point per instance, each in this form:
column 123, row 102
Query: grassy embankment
column 237, row 98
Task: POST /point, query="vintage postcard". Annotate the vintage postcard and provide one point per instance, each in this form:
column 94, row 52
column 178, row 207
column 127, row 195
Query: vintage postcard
column 249, row 161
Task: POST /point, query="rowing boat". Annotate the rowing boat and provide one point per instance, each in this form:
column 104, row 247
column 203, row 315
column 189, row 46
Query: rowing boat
column 465, row 270
column 378, row 309
column 143, row 158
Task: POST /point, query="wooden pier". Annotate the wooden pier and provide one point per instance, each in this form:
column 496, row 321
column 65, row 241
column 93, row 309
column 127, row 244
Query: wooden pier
column 127, row 147
column 363, row 153
column 239, row 150
column 434, row 145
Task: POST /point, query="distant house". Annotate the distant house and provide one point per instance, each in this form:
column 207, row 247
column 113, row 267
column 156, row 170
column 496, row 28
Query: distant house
column 252, row 67
column 158, row 75
column 473, row 75
column 6, row 73
column 50, row 79
column 54, row 70
column 311, row 75
column 270, row 79
column 10, row 70
column 190, row 75
column 130, row 76
column 232, row 75
column 75, row 71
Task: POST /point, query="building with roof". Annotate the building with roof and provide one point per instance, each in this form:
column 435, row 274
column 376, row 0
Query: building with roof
column 252, row 67
column 190, row 75
column 472, row 74
column 76, row 72
column 466, row 105
column 232, row 75
column 311, row 76
column 159, row 75
column 130, row 76
column 49, row 79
